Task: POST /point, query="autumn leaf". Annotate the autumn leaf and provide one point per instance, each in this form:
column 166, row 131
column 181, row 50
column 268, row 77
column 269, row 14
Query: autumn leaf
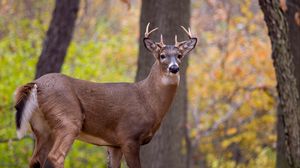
column 127, row 2
column 231, row 131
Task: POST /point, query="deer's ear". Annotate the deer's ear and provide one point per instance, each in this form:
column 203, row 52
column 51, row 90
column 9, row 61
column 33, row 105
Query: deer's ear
column 151, row 45
column 187, row 45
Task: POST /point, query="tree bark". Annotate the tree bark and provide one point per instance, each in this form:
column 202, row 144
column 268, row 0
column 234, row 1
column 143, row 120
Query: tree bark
column 281, row 159
column 288, row 124
column 58, row 37
column 294, row 39
column 294, row 36
column 168, row 146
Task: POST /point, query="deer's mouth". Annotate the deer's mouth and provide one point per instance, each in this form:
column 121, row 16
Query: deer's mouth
column 170, row 74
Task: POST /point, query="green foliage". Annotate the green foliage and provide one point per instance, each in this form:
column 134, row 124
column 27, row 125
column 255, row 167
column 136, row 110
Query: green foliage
column 18, row 58
column 107, row 56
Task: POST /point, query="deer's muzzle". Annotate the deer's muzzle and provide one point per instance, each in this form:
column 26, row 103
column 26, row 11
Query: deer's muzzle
column 174, row 69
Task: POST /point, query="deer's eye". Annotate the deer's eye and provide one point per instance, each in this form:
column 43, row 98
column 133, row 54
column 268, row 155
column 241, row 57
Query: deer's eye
column 162, row 56
column 179, row 56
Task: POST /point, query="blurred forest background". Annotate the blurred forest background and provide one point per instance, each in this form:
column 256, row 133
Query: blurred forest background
column 230, row 77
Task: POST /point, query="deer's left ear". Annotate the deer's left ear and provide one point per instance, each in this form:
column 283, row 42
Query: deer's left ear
column 187, row 45
column 151, row 45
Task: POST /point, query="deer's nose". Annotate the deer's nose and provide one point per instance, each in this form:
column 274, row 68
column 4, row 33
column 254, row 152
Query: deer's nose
column 174, row 69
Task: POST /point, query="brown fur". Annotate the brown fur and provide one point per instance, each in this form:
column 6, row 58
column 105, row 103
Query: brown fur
column 122, row 116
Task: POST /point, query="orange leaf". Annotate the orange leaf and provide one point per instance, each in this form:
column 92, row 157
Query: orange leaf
column 127, row 2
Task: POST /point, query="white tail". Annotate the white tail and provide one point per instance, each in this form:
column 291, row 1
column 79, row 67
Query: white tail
column 31, row 105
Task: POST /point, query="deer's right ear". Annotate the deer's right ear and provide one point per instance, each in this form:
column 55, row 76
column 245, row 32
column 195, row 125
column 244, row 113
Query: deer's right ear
column 150, row 45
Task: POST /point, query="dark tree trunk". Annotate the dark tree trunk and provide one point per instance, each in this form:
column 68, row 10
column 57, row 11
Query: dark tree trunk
column 288, row 124
column 168, row 147
column 58, row 37
column 294, row 36
column 294, row 39
column 281, row 159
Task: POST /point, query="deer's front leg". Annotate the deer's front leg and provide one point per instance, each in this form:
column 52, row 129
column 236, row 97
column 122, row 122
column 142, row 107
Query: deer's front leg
column 131, row 152
column 114, row 157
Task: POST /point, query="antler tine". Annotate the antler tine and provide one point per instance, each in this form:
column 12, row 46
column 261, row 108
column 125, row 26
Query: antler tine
column 189, row 32
column 147, row 33
column 176, row 42
column 162, row 40
column 161, row 43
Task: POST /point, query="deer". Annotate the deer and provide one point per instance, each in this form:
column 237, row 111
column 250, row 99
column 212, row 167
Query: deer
column 121, row 116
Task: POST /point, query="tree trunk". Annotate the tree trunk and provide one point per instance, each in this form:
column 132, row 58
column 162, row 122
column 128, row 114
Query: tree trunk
column 294, row 39
column 294, row 36
column 58, row 37
column 288, row 146
column 281, row 159
column 168, row 146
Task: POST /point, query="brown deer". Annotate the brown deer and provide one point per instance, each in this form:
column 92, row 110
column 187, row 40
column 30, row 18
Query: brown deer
column 121, row 116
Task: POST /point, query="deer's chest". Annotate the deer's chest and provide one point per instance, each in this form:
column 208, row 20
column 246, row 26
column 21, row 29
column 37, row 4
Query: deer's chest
column 148, row 135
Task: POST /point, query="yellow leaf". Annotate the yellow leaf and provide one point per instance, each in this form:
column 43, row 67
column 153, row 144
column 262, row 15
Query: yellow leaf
column 231, row 131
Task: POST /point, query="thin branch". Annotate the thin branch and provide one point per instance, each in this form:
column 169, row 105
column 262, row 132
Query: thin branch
column 233, row 108
column 14, row 139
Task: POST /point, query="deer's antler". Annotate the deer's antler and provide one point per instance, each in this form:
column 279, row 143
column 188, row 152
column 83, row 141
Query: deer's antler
column 188, row 32
column 147, row 33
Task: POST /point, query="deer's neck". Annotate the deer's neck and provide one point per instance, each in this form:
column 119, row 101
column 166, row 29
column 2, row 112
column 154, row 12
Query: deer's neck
column 159, row 89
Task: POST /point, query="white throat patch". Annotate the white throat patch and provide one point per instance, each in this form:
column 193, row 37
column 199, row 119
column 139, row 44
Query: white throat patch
column 170, row 79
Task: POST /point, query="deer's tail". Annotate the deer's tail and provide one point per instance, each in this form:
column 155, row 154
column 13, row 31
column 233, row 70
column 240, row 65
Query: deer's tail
column 25, row 103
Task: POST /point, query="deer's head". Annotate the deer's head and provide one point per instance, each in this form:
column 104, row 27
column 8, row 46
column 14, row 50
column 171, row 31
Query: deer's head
column 169, row 56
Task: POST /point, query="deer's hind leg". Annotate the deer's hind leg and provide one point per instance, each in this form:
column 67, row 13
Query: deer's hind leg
column 63, row 113
column 43, row 144
column 64, row 132
column 63, row 140
column 43, row 140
